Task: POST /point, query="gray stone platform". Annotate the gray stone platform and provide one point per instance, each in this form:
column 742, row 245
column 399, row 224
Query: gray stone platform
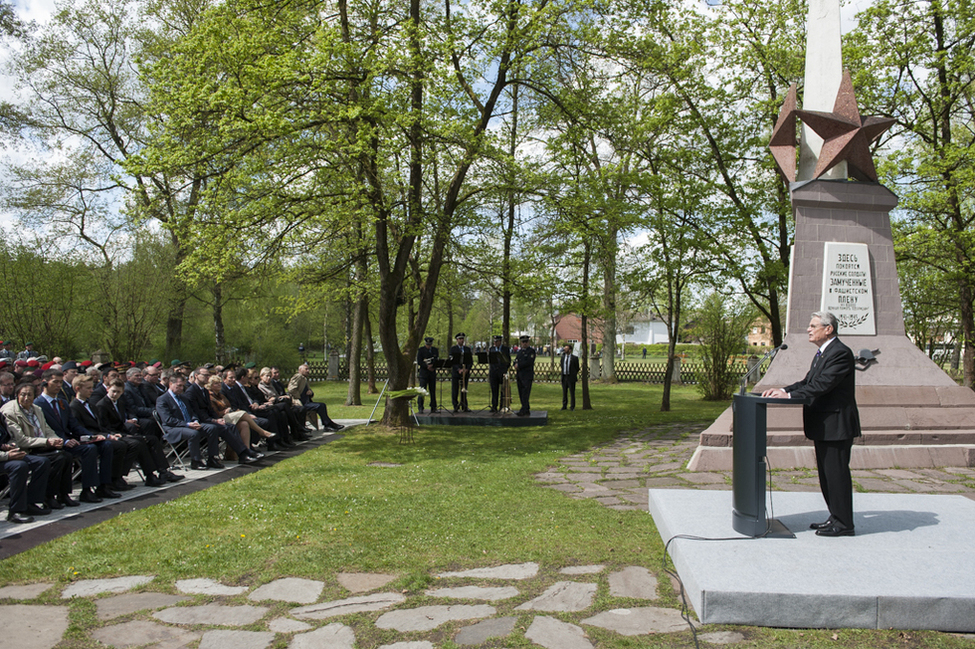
column 480, row 418
column 910, row 566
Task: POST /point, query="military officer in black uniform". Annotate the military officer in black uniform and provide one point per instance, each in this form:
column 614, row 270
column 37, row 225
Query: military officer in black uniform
column 426, row 373
column 461, row 361
column 525, row 366
column 499, row 357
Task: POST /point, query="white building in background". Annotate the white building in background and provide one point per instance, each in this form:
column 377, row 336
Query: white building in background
column 643, row 330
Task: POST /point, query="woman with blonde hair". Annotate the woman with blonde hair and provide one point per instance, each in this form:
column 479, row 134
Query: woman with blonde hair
column 241, row 419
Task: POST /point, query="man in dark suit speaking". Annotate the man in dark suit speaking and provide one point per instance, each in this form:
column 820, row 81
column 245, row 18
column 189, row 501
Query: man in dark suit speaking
column 830, row 419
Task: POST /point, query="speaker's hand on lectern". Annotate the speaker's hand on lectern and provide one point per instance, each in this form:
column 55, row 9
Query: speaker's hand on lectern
column 776, row 393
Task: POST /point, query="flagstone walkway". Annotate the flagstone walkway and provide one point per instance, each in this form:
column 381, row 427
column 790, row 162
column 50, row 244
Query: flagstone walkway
column 469, row 607
column 556, row 607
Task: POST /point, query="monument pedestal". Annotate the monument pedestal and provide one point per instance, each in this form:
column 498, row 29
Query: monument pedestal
column 912, row 413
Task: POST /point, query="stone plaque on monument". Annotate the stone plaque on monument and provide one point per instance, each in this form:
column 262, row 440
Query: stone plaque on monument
column 847, row 287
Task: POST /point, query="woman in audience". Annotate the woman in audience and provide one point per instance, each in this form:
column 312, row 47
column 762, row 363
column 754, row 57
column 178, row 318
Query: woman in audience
column 241, row 419
column 30, row 432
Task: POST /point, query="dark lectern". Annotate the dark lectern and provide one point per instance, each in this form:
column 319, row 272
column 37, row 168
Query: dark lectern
column 748, row 476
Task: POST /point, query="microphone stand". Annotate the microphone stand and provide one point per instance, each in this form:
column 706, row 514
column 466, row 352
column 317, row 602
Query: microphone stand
column 769, row 355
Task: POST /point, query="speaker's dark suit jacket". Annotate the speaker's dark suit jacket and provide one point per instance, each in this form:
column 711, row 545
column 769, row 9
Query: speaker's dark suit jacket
column 832, row 414
column 831, row 420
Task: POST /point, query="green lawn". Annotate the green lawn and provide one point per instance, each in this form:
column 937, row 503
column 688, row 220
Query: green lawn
column 460, row 497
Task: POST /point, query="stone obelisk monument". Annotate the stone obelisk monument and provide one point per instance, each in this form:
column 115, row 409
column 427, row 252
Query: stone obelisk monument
column 912, row 413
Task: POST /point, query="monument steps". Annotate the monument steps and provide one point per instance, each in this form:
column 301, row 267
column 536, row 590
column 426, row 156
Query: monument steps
column 863, row 456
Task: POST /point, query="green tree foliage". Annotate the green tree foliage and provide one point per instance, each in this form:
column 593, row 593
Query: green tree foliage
column 320, row 117
column 41, row 296
column 721, row 326
column 915, row 62
column 86, row 111
column 726, row 69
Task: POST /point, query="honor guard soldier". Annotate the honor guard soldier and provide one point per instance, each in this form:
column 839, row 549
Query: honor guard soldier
column 499, row 357
column 426, row 373
column 525, row 366
column 461, row 360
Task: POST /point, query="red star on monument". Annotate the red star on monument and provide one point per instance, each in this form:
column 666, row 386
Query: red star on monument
column 846, row 136
column 783, row 142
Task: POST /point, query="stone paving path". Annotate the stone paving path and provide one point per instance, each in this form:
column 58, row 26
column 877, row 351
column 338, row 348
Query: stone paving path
column 550, row 606
column 469, row 607
column 618, row 474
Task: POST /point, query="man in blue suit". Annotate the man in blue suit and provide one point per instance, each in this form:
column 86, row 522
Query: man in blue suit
column 95, row 451
column 180, row 424
column 830, row 419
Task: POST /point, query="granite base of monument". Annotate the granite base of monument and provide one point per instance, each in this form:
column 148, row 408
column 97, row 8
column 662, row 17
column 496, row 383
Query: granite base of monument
column 912, row 413
column 910, row 565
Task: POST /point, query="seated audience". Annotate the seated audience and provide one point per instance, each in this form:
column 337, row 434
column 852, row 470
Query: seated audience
column 266, row 417
column 6, row 388
column 124, row 451
column 135, row 404
column 179, row 424
column 261, row 387
column 94, row 451
column 244, row 421
column 113, row 418
column 27, row 476
column 151, row 386
column 299, row 390
column 29, row 430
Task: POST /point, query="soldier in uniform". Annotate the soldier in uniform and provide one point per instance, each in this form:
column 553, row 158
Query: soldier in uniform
column 499, row 356
column 525, row 366
column 461, row 360
column 426, row 373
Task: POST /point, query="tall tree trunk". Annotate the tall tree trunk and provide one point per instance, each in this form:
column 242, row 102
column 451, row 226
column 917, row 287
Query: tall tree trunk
column 174, row 321
column 584, row 334
column 608, row 370
column 354, row 397
column 370, row 351
column 359, row 319
column 219, row 339
column 509, row 229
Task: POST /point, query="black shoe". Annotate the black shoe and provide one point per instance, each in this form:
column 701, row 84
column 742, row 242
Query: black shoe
column 88, row 496
column 257, row 455
column 106, row 492
column 154, row 481
column 572, row 408
column 19, row 517
column 199, row 465
column 244, row 458
column 467, row 409
column 522, row 413
column 38, row 510
column 563, row 408
column 456, row 410
column 287, row 443
column 169, row 476
column 214, row 463
column 822, row 526
column 835, row 530
column 122, row 485
column 68, row 501
column 301, row 437
column 54, row 504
